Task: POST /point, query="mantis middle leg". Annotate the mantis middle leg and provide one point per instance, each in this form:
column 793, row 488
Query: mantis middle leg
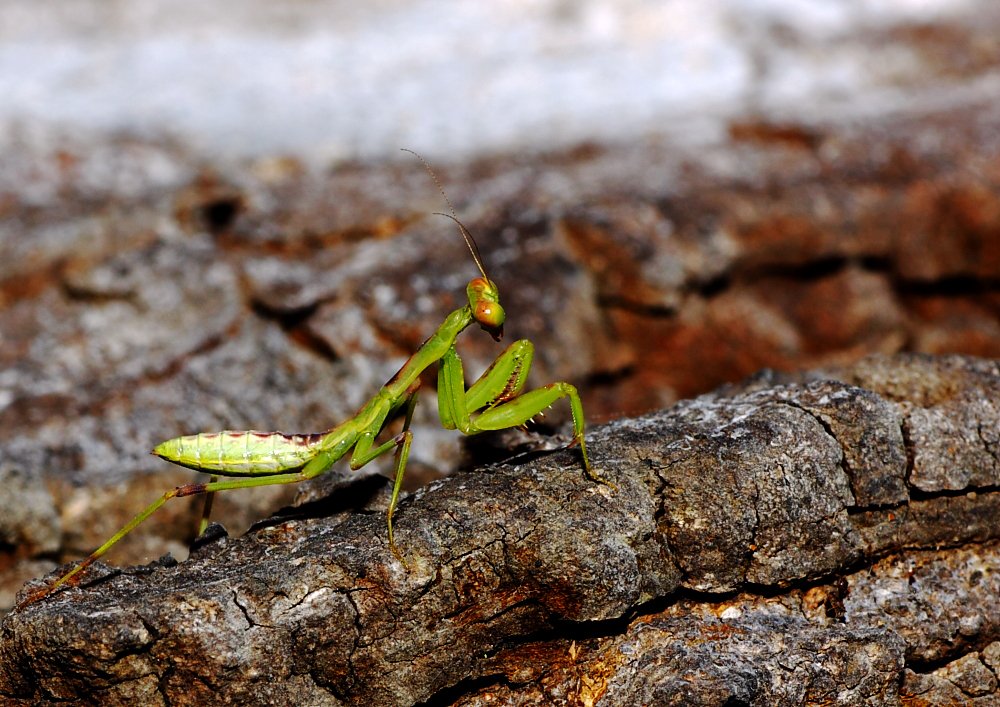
column 363, row 453
column 207, row 512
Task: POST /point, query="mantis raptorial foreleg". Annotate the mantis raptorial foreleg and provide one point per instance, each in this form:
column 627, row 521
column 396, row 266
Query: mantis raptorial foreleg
column 496, row 390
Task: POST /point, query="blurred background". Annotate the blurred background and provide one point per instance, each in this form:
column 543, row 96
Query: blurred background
column 206, row 221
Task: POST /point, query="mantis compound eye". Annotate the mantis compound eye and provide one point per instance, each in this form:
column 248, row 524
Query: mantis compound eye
column 490, row 316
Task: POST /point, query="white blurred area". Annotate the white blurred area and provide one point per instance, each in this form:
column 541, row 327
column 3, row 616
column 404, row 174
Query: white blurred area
column 339, row 79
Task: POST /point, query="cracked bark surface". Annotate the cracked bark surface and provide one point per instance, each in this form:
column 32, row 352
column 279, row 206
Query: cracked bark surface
column 784, row 541
column 179, row 293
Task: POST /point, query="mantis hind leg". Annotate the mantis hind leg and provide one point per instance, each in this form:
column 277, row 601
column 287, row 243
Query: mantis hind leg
column 319, row 464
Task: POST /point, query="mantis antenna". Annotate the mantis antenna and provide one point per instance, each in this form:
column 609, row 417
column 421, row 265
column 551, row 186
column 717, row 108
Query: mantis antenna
column 469, row 240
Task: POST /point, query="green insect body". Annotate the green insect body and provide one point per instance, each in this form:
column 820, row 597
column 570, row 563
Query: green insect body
column 232, row 453
column 493, row 402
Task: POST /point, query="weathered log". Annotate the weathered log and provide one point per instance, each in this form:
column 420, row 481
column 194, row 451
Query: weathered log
column 767, row 544
column 134, row 309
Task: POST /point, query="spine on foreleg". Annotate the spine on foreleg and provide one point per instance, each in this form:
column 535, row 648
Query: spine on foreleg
column 233, row 453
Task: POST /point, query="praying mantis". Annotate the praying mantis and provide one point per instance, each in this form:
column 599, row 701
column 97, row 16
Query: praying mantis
column 269, row 458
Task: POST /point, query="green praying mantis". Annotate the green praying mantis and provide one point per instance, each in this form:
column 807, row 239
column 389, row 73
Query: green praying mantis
column 269, row 458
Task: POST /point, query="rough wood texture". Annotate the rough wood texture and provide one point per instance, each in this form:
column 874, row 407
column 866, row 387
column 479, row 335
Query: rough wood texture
column 767, row 544
column 148, row 292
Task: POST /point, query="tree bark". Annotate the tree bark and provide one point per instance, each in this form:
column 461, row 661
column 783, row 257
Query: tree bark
column 828, row 538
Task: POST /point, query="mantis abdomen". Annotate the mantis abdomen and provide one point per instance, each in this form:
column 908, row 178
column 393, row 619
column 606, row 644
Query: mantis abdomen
column 232, row 453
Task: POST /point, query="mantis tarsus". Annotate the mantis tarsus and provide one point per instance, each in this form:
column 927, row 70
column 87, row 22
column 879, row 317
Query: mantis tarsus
column 268, row 458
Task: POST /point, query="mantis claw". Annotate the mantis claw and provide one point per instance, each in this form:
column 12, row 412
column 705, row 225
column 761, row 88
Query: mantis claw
column 399, row 557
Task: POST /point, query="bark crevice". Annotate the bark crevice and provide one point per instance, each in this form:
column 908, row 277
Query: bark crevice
column 762, row 546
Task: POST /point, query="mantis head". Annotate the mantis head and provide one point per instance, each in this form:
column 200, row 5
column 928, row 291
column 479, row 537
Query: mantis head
column 484, row 300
